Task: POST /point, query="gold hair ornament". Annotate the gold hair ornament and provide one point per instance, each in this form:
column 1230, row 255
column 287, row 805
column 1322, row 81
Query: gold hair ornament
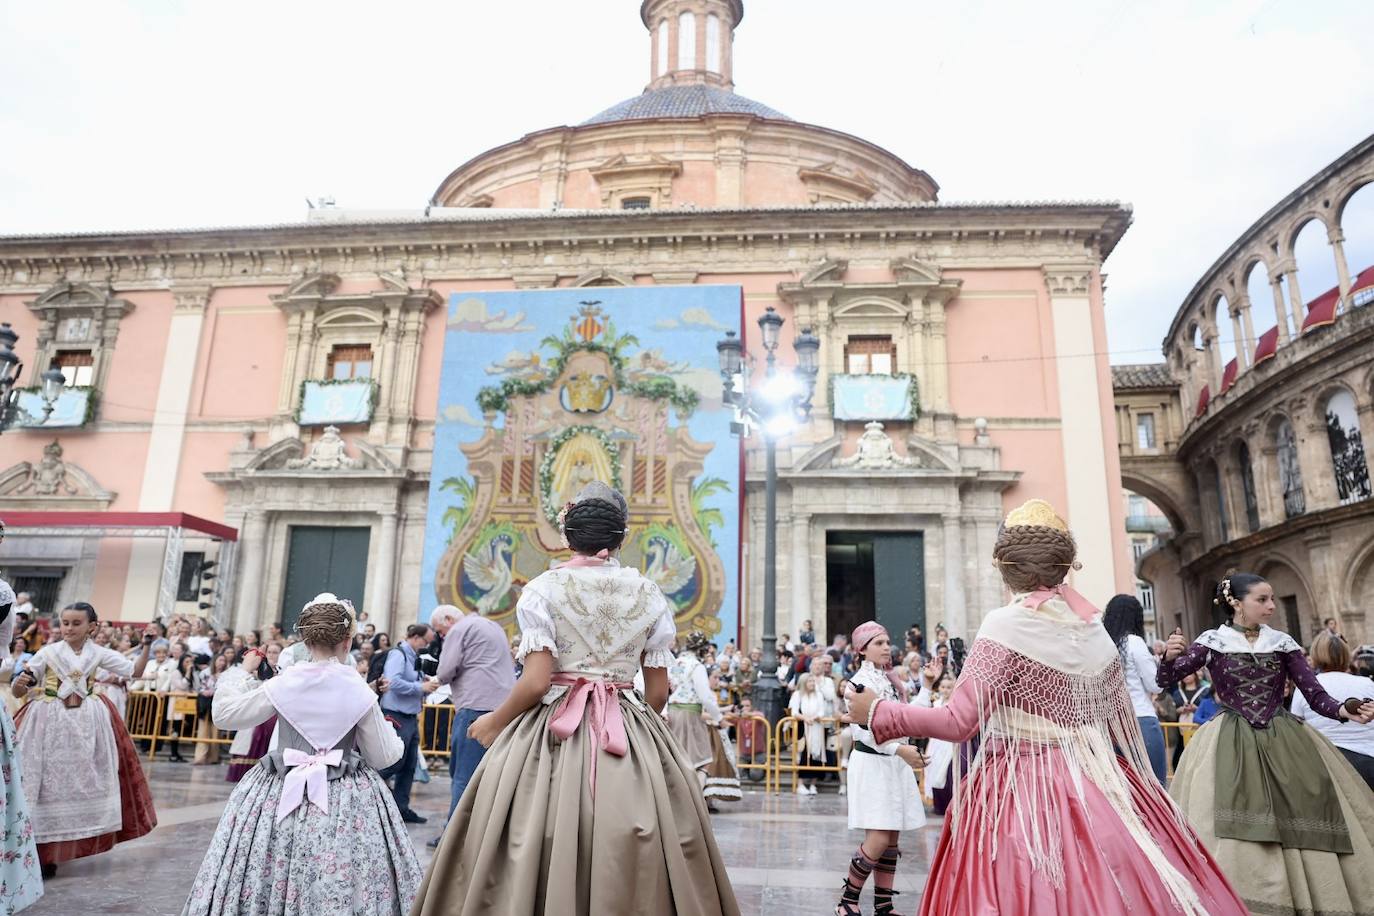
column 1036, row 513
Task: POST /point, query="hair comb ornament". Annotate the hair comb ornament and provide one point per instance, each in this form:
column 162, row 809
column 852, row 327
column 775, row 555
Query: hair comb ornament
column 1036, row 513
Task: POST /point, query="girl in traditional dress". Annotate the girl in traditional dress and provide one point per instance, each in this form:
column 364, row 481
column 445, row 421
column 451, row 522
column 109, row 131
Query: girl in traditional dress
column 20, row 880
column 251, row 744
column 1287, row 816
column 82, row 778
column 1051, row 819
column 884, row 798
column 694, row 718
column 602, row 817
column 312, row 829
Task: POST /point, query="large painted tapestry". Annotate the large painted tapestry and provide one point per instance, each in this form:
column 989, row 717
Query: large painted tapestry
column 543, row 391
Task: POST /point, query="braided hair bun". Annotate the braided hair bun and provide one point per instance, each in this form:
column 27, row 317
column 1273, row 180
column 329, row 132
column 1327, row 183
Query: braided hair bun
column 326, row 621
column 1034, row 556
column 594, row 525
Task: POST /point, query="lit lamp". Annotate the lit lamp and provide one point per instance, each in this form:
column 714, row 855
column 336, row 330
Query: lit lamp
column 50, row 389
column 783, row 400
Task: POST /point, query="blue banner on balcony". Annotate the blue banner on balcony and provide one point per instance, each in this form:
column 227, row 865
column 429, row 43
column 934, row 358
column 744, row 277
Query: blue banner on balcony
column 873, row 397
column 329, row 402
column 72, row 409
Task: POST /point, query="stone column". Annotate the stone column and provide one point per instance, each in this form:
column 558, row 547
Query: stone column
column 1243, row 307
column 252, row 571
column 1242, row 357
column 1295, row 296
column 801, row 578
column 1280, row 307
column 384, row 578
column 956, row 609
column 1336, row 237
column 1083, row 431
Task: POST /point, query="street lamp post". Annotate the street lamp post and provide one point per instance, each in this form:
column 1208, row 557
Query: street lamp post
column 10, row 368
column 782, row 402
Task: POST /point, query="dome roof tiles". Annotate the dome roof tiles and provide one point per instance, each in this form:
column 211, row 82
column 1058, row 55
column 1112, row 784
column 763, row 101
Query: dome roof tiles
column 690, row 101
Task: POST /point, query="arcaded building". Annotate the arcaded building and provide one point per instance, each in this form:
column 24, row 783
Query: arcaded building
column 201, row 347
column 1250, row 436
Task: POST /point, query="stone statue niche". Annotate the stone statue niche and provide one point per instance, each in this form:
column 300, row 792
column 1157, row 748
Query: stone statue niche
column 875, row 452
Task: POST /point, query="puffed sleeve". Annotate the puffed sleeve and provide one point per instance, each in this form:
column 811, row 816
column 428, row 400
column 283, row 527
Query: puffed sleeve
column 37, row 666
column 658, row 649
column 377, row 739
column 536, row 625
column 115, row 663
column 238, row 704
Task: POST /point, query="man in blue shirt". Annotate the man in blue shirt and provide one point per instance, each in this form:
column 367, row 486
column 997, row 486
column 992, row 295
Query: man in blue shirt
column 401, row 703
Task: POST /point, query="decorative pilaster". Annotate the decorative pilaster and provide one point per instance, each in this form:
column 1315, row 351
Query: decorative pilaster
column 1336, row 237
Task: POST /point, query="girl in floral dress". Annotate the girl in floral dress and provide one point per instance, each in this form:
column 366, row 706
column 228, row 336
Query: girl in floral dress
column 20, row 881
column 311, row 829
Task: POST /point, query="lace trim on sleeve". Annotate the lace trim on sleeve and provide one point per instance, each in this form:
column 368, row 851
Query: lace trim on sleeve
column 658, row 658
column 536, row 625
column 534, row 640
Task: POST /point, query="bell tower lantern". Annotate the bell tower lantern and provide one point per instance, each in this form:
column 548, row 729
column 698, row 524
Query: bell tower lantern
column 691, row 41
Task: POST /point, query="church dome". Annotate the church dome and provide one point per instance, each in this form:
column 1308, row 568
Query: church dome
column 690, row 101
column 688, row 140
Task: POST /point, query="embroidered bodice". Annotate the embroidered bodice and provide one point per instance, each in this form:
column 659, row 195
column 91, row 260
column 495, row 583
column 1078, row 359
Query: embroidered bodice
column 681, row 680
column 598, row 621
column 878, row 682
column 59, row 672
column 1247, row 678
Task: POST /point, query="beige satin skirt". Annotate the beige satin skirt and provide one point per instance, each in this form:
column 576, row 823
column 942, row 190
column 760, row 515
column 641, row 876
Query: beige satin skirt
column 528, row 837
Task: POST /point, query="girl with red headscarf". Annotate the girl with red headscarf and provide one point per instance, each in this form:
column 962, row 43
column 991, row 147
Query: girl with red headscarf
column 883, row 796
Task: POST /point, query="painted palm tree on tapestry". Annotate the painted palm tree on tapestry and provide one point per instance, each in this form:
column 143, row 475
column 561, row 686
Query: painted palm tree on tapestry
column 544, row 391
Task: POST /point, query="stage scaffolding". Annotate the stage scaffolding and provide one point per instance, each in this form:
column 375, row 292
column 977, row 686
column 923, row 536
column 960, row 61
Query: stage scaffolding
column 172, row 527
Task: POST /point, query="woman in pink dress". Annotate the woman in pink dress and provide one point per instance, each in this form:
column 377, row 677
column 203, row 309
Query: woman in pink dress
column 1059, row 812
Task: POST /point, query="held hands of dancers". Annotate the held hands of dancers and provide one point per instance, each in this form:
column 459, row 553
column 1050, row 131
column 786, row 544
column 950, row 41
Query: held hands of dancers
column 1357, row 710
column 1176, row 645
column 860, row 703
column 251, row 660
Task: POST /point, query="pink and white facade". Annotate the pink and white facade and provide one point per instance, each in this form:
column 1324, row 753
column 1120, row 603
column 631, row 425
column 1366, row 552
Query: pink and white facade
column 200, row 344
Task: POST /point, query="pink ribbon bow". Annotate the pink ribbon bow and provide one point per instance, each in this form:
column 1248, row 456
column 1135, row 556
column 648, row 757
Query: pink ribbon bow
column 308, row 776
column 1076, row 602
column 607, row 722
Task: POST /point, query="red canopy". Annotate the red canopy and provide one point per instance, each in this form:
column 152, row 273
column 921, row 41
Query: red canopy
column 1228, row 375
column 1203, row 399
column 119, row 520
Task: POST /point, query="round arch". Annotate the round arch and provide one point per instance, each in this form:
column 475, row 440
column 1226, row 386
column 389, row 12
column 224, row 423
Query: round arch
column 1162, row 496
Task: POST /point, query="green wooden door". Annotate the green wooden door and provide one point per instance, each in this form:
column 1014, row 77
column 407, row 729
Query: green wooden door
column 323, row 560
column 899, row 582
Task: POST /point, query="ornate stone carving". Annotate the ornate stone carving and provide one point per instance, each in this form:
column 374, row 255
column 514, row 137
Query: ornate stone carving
column 51, row 480
column 875, row 452
column 327, row 454
column 49, row 476
column 1068, row 280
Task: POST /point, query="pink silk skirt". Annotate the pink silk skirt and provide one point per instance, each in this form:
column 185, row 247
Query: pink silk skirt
column 1105, row 871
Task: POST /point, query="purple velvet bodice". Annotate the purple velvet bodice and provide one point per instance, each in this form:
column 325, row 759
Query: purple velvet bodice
column 1251, row 684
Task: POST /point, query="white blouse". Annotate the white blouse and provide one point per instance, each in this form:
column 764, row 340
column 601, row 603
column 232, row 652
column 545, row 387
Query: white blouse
column 1140, row 676
column 239, row 706
column 539, row 633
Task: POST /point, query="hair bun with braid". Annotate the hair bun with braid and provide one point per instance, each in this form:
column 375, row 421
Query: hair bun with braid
column 1034, row 556
column 326, row 621
column 594, row 525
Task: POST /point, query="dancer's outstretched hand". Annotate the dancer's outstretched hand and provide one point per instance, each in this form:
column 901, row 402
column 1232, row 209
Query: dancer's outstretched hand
column 484, row 730
column 859, row 704
column 1176, row 645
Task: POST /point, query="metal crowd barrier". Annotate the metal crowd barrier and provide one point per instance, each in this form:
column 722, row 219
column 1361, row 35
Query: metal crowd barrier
column 790, row 725
column 758, row 728
column 436, row 729
column 1184, row 732
column 145, row 718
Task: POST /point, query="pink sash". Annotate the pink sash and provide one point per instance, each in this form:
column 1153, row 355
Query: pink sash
column 598, row 700
column 1076, row 602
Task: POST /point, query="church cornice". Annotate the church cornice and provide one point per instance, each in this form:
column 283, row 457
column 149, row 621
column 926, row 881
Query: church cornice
column 499, row 243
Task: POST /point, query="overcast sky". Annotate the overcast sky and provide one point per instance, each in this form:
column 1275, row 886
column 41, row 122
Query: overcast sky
column 1201, row 115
